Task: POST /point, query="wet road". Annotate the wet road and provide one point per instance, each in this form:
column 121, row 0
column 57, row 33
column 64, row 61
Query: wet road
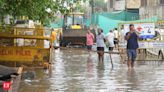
column 76, row 71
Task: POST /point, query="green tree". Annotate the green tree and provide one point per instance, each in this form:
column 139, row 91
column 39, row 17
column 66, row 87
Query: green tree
column 37, row 9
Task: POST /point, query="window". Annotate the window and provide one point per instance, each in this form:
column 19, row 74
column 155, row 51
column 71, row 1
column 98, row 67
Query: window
column 161, row 1
column 143, row 2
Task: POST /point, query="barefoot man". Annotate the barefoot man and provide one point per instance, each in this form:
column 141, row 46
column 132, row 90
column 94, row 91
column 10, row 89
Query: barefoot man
column 132, row 45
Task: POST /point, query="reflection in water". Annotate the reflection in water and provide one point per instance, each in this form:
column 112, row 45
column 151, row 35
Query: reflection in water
column 75, row 71
column 100, row 66
column 100, row 70
column 90, row 75
column 90, row 67
column 132, row 79
column 57, row 79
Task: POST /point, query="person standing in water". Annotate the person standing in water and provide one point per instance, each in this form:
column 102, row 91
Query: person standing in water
column 110, row 40
column 100, row 44
column 132, row 45
column 116, row 36
column 90, row 40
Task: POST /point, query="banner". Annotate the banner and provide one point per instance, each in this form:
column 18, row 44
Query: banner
column 145, row 30
column 23, row 54
column 133, row 4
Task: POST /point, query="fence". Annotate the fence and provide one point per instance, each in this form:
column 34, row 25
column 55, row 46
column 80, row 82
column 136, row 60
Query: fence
column 23, row 45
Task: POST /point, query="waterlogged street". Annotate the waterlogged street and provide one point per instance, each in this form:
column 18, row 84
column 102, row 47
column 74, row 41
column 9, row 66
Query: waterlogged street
column 76, row 71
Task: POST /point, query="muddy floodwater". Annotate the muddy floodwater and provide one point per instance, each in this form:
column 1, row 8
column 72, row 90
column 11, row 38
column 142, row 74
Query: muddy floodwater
column 76, row 71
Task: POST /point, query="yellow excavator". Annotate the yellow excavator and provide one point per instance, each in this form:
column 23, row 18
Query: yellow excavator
column 74, row 30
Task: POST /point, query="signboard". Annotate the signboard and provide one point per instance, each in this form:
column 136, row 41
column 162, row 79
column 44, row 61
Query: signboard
column 23, row 54
column 120, row 5
column 6, row 85
column 133, row 4
column 145, row 45
column 145, row 30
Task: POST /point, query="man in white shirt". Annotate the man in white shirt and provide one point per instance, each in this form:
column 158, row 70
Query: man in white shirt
column 110, row 40
column 100, row 44
column 122, row 34
column 116, row 35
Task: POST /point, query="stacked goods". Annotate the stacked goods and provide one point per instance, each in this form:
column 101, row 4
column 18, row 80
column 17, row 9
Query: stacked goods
column 6, row 42
column 25, row 32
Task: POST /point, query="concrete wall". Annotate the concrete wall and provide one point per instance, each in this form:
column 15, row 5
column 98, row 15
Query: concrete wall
column 152, row 2
column 153, row 8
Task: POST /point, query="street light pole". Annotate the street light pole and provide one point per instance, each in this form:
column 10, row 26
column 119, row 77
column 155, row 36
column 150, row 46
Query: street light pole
column 126, row 9
column 92, row 5
column 92, row 10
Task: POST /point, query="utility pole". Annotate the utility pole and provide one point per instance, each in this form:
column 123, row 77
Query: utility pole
column 126, row 9
column 92, row 5
column 92, row 11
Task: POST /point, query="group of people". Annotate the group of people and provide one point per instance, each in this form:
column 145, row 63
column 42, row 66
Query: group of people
column 111, row 41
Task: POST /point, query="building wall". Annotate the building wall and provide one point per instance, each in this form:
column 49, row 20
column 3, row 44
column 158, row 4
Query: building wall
column 110, row 5
column 133, row 4
column 152, row 8
column 148, row 8
column 119, row 5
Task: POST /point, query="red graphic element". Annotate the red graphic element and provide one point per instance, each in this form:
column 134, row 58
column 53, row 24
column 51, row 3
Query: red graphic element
column 139, row 28
column 6, row 85
column 15, row 52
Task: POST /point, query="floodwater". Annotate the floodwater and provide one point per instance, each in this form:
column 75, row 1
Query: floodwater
column 76, row 71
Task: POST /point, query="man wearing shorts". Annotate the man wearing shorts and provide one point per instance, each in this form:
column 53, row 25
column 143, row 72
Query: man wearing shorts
column 100, row 44
column 110, row 40
column 132, row 45
column 90, row 40
column 116, row 35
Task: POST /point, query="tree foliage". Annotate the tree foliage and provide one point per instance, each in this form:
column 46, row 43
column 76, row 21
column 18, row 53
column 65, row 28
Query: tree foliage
column 37, row 9
column 99, row 5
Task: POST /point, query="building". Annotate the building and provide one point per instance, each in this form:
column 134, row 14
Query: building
column 120, row 5
column 145, row 8
column 130, row 6
column 115, row 5
column 150, row 8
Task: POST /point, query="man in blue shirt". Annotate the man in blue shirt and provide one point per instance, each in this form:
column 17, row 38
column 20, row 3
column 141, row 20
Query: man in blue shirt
column 132, row 45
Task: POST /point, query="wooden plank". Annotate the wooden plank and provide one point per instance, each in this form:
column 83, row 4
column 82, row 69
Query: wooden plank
column 24, row 37
column 147, row 60
column 109, row 52
column 9, row 27
column 23, row 54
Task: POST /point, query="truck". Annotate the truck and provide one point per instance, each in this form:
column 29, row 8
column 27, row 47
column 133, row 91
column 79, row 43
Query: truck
column 74, row 30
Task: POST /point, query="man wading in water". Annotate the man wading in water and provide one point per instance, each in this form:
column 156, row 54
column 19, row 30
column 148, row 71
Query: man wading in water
column 132, row 45
column 90, row 40
column 100, row 38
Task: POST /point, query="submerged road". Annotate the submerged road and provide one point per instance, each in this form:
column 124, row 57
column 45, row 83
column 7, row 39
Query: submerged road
column 76, row 71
